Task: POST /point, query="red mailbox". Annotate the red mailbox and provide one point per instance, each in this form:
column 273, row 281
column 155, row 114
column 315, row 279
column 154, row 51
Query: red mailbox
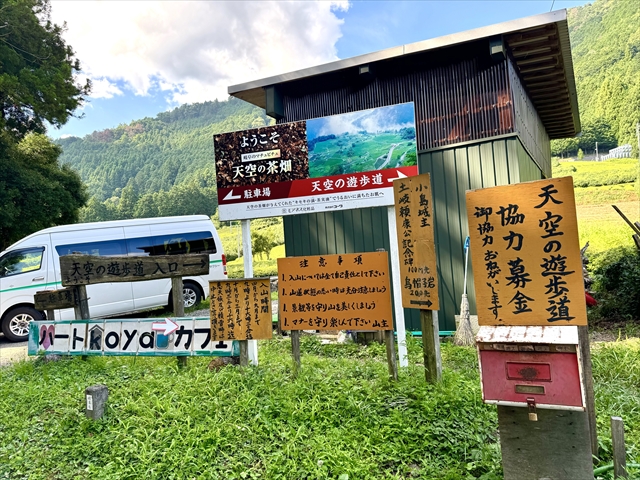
column 538, row 367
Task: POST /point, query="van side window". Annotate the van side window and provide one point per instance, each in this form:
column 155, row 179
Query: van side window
column 21, row 261
column 173, row 244
column 104, row 248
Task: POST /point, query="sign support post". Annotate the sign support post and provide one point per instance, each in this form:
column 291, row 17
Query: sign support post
column 395, row 281
column 430, row 347
column 250, row 346
column 178, row 307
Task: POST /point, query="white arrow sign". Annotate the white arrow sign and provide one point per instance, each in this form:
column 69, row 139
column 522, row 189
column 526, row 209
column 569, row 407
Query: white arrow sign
column 400, row 175
column 169, row 326
column 231, row 196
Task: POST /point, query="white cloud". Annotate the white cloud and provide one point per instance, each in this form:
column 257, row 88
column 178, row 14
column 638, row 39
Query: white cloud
column 195, row 50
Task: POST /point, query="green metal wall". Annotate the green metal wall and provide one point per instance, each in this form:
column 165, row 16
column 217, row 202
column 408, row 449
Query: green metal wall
column 453, row 171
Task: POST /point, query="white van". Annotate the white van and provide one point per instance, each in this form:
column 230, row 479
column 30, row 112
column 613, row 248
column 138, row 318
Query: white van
column 33, row 264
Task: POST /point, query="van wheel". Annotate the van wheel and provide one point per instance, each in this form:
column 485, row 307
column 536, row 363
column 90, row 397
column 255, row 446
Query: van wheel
column 191, row 294
column 15, row 324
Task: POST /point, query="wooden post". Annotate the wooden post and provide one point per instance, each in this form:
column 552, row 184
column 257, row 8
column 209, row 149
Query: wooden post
column 244, row 353
column 587, row 378
column 51, row 315
column 81, row 309
column 619, row 449
column 177, row 298
column 429, row 347
column 295, row 350
column 391, row 355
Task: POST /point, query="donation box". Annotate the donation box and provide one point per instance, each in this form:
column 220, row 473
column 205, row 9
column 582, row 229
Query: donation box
column 534, row 366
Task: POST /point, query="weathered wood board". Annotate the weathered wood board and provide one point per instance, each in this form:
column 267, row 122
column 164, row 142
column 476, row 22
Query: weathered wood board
column 241, row 309
column 55, row 299
column 89, row 269
column 349, row 291
column 414, row 220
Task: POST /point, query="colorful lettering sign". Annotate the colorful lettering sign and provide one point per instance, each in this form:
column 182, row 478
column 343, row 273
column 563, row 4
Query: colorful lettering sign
column 141, row 337
column 241, row 309
column 91, row 269
column 349, row 291
column 414, row 225
column 333, row 163
column 526, row 257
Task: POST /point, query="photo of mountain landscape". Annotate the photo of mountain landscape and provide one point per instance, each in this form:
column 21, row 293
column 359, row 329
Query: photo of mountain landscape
column 362, row 141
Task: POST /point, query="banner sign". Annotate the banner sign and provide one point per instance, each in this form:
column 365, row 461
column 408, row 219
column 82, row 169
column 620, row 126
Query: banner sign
column 526, row 256
column 332, row 163
column 91, row 269
column 141, row 337
column 416, row 247
column 241, row 309
column 349, row 291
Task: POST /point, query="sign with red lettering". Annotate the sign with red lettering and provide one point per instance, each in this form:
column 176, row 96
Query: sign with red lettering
column 333, row 163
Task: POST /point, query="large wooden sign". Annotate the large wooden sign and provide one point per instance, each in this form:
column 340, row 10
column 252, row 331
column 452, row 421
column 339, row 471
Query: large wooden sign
column 414, row 225
column 141, row 337
column 90, row 269
column 349, row 291
column 526, row 256
column 55, row 299
column 241, row 309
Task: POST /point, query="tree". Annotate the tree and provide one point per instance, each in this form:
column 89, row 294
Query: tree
column 36, row 86
column 262, row 244
column 36, row 69
column 35, row 191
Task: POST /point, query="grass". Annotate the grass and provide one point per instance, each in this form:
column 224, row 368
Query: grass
column 591, row 174
column 340, row 418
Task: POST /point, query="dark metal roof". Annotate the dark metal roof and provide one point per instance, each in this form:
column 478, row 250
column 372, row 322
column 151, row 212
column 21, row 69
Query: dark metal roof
column 538, row 45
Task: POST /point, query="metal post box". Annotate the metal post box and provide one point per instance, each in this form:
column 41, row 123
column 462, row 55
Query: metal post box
column 535, row 367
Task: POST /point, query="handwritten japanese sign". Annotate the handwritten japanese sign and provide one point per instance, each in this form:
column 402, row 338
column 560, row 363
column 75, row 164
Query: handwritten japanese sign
column 526, row 262
column 55, row 299
column 349, row 291
column 414, row 225
column 241, row 309
column 192, row 337
column 89, row 269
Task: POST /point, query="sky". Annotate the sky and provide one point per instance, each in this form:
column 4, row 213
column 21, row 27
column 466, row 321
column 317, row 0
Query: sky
column 146, row 57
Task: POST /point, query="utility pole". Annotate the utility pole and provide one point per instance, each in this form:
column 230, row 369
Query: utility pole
column 597, row 157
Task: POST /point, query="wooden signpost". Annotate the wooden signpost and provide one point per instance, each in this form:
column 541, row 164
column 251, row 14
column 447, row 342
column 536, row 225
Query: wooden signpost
column 418, row 264
column 51, row 300
column 528, row 272
column 241, row 310
column 348, row 291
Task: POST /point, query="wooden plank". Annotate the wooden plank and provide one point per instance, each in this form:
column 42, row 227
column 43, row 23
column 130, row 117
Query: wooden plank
column 555, row 447
column 89, row 269
column 241, row 309
column 349, row 291
column 295, row 350
column 525, row 254
column 55, row 299
column 177, row 298
column 619, row 449
column 417, row 252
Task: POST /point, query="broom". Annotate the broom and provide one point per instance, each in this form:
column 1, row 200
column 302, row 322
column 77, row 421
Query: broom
column 464, row 333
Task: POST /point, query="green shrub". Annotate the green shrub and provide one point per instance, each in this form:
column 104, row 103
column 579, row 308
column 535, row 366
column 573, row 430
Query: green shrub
column 616, row 275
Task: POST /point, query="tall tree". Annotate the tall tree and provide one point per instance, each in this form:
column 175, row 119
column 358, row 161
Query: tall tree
column 37, row 86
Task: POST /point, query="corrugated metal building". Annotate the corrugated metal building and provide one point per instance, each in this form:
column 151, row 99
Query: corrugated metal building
column 487, row 103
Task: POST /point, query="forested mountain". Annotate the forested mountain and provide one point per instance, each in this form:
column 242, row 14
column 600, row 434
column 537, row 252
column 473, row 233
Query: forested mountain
column 605, row 44
column 166, row 161
column 164, row 165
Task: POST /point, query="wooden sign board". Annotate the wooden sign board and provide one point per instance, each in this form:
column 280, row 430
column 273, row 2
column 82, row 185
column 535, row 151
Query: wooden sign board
column 130, row 337
column 55, row 299
column 526, row 259
column 414, row 226
column 90, row 269
column 241, row 309
column 349, row 291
